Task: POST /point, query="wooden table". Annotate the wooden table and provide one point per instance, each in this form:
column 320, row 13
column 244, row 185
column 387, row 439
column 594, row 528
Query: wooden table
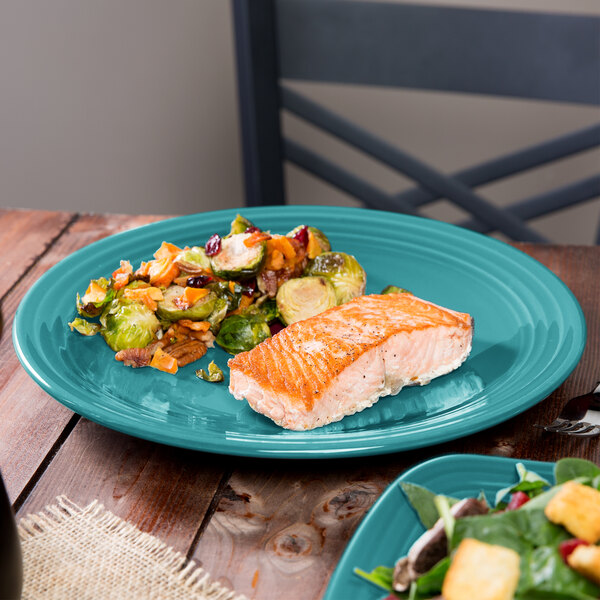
column 265, row 527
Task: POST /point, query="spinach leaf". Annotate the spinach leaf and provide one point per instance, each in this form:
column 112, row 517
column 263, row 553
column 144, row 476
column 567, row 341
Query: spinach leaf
column 422, row 501
column 543, row 571
column 572, row 468
column 431, row 583
column 382, row 577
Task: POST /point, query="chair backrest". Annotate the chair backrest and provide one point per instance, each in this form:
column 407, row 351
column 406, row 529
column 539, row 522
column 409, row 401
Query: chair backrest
column 553, row 57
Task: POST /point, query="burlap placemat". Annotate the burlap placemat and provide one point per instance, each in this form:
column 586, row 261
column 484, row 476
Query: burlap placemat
column 78, row 553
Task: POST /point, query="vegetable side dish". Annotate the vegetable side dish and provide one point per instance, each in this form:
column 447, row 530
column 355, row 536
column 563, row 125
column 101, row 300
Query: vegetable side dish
column 236, row 290
column 534, row 541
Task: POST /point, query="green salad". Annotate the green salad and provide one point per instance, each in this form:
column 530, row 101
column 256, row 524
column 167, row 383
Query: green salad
column 534, row 540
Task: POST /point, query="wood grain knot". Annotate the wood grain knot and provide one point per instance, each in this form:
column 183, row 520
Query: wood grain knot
column 297, row 540
column 232, row 500
column 352, row 500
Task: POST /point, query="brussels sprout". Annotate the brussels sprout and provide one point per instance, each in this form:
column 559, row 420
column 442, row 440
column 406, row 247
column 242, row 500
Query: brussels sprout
column 168, row 309
column 316, row 242
column 299, row 299
column 239, row 225
column 267, row 310
column 236, row 260
column 218, row 314
column 193, row 260
column 84, row 327
column 214, row 374
column 222, row 289
column 343, row 271
column 240, row 333
column 394, row 289
column 129, row 325
column 92, row 308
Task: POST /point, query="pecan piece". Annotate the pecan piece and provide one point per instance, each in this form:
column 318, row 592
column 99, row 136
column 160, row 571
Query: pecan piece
column 186, row 351
column 135, row 357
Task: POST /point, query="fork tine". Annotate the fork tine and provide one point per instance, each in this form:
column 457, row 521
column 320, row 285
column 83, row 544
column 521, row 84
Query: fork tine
column 573, row 426
column 592, row 431
column 557, row 425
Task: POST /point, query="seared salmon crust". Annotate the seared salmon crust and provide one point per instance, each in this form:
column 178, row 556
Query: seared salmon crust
column 343, row 360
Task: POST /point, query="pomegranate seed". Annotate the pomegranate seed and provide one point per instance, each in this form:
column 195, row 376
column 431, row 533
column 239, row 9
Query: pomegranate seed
column 199, row 281
column 249, row 288
column 252, row 229
column 276, row 327
column 302, row 235
column 213, row 245
column 565, row 548
column 517, row 500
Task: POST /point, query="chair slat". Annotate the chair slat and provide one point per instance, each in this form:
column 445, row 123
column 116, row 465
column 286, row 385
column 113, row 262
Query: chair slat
column 339, row 177
column 504, row 53
column 515, row 162
column 414, row 168
column 546, row 203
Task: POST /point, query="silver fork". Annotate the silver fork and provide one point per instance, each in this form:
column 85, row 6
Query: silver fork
column 569, row 421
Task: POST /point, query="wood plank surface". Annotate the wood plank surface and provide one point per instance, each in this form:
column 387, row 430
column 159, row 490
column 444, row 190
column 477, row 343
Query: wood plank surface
column 25, row 236
column 268, row 528
column 32, row 421
column 162, row 490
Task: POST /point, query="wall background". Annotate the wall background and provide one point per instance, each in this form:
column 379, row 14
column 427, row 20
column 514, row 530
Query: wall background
column 131, row 106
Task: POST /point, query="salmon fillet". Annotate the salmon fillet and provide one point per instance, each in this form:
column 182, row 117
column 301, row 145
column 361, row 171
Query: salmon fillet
column 343, row 360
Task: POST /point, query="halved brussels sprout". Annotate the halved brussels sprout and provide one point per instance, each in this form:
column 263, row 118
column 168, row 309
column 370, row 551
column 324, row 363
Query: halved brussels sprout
column 394, row 289
column 267, row 310
column 236, row 260
column 129, row 325
column 299, row 299
column 317, row 241
column 343, row 271
column 240, row 333
column 239, row 225
column 84, row 327
column 90, row 308
column 169, row 311
column 218, row 314
column 193, row 260
column 222, row 289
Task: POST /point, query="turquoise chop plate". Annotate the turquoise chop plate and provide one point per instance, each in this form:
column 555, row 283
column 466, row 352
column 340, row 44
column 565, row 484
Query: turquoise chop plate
column 529, row 335
column 391, row 526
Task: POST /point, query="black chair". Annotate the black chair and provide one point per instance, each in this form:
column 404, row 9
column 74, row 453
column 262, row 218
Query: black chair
column 543, row 56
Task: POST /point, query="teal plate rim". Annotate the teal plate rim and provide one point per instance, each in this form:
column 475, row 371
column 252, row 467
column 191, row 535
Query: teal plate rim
column 287, row 444
column 392, row 507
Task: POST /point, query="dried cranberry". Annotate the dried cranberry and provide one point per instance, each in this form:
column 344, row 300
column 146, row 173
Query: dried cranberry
column 302, row 235
column 199, row 281
column 252, row 229
column 249, row 288
column 213, row 245
column 276, row 327
column 565, row 548
column 517, row 500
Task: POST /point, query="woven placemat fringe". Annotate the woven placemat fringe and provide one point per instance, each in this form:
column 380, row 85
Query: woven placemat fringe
column 65, row 523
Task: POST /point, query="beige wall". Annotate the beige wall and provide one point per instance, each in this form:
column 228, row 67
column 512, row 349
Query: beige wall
column 130, row 106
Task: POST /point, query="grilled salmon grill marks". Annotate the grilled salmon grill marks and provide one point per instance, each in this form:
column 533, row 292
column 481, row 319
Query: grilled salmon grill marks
column 343, row 360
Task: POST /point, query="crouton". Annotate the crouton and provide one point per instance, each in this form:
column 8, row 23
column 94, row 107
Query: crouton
column 586, row 560
column 577, row 507
column 482, row 571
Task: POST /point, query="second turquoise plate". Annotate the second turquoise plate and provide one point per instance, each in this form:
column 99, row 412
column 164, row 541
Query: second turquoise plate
column 529, row 335
column 391, row 526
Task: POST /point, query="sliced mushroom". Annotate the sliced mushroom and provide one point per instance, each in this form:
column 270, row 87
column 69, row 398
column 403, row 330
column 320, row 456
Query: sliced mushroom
column 432, row 546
